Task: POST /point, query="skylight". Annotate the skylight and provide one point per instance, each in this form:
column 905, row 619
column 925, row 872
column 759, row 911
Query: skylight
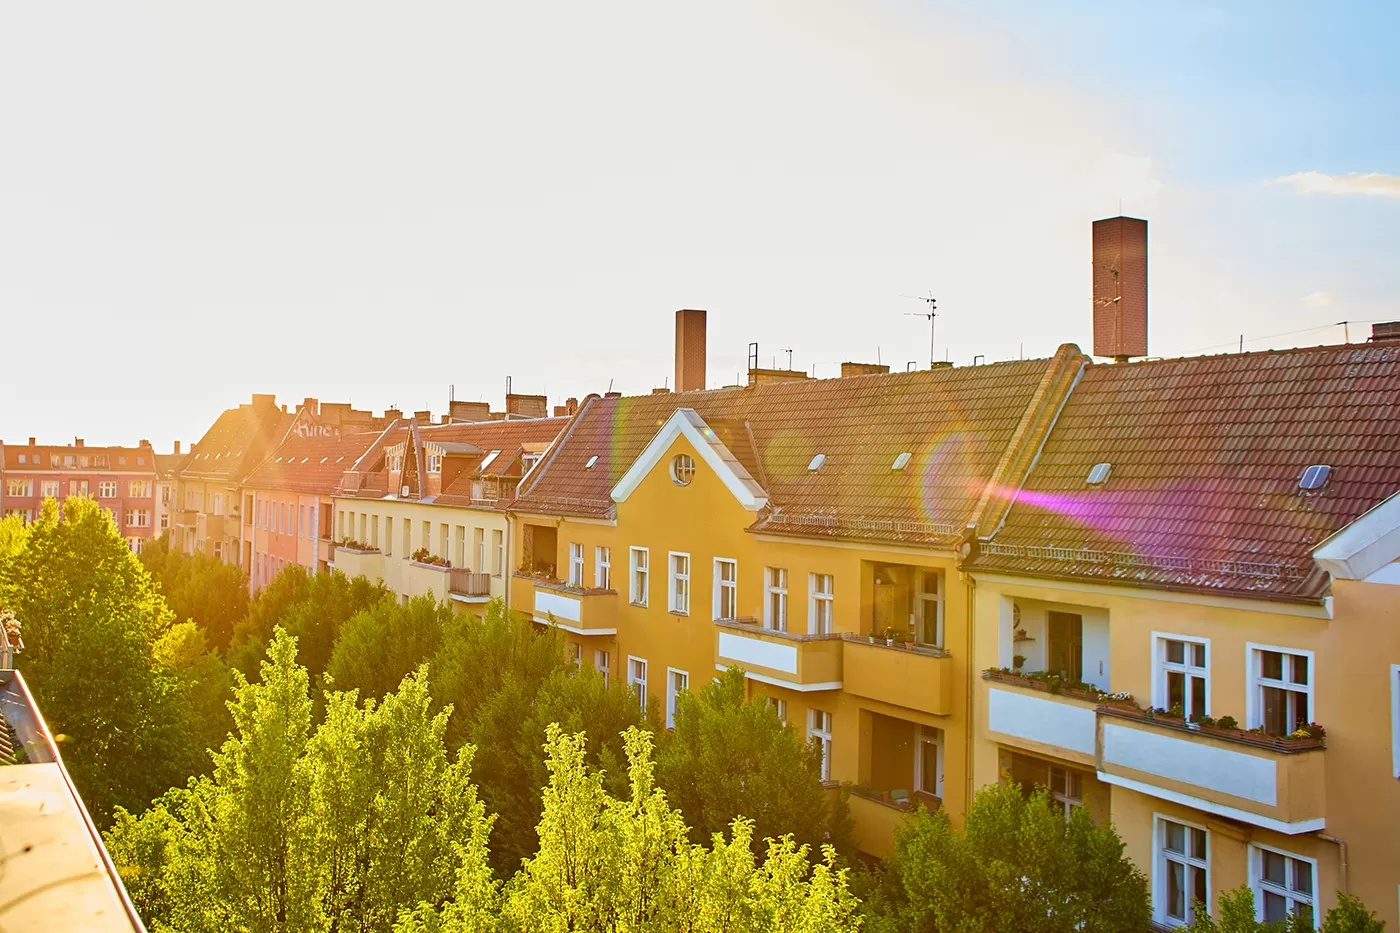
column 591, row 460
column 1098, row 474
column 1315, row 477
column 489, row 457
column 901, row 461
column 816, row 463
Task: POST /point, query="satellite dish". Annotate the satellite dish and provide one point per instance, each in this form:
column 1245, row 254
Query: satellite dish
column 405, row 492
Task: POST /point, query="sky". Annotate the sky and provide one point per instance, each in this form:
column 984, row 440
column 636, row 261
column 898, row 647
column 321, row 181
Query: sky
column 372, row 202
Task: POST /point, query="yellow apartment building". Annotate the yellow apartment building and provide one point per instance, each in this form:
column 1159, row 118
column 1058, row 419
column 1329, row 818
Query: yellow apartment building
column 807, row 531
column 1199, row 539
column 438, row 491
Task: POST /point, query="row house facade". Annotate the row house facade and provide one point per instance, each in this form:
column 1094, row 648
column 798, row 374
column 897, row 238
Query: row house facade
column 423, row 509
column 1163, row 590
column 123, row 480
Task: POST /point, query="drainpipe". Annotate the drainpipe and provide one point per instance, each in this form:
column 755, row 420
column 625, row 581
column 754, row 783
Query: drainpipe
column 505, row 565
column 1341, row 845
column 971, row 587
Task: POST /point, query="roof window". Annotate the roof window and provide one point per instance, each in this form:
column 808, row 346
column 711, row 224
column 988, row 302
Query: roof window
column 1098, row 474
column 1315, row 477
column 815, row 463
column 489, row 457
column 591, row 460
column 901, row 461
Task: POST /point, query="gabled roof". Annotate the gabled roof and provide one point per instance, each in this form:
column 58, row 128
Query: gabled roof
column 684, row 422
column 1206, row 455
column 312, row 465
column 954, row 422
column 237, row 441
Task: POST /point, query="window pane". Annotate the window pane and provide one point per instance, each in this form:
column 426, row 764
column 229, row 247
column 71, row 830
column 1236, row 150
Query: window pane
column 1198, row 697
column 1176, row 688
column 1275, row 908
column 1275, row 866
column 1271, row 665
column 1198, row 886
column 1275, row 712
column 1198, row 843
column 1304, row 912
column 1075, row 787
column 1176, row 652
column 1302, row 877
column 1198, row 655
column 1176, row 838
column 1300, row 669
column 1176, row 890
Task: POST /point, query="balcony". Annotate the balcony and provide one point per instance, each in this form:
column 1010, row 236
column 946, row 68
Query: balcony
column 1023, row 713
column 186, row 518
column 581, row 610
column 1275, row 783
column 357, row 563
column 467, row 587
column 918, row 678
column 797, row 662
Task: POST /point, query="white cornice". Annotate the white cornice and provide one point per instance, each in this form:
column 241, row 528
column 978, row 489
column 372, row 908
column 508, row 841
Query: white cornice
column 684, row 422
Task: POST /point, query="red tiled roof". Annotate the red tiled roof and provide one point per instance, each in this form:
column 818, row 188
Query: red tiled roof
column 37, row 457
column 312, row 465
column 1206, row 455
column 955, row 422
column 237, row 441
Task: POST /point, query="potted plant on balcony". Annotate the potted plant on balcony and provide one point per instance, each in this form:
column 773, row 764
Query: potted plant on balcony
column 889, row 638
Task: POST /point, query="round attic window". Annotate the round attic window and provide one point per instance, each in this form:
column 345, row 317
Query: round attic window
column 682, row 469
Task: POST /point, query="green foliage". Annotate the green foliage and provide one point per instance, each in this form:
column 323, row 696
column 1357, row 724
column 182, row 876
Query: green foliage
column 199, row 587
column 1018, row 865
column 380, row 645
column 92, row 620
column 1236, row 914
column 732, row 757
column 344, row 828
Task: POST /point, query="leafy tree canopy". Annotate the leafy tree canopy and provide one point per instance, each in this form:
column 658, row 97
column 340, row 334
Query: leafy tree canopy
column 200, row 587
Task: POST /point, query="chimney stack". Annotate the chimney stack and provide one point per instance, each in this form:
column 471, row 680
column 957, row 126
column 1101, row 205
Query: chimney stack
column 527, row 406
column 1120, row 288
column 177, row 448
column 31, row 442
column 690, row 350
column 77, row 442
column 461, row 411
column 863, row 369
column 1386, row 332
column 311, row 405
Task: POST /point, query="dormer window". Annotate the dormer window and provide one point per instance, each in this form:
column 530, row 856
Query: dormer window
column 488, row 459
column 1098, row 474
column 434, row 463
column 396, row 463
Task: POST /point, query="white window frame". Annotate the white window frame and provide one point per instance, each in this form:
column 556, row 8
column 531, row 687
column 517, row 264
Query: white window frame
column 107, row 489
column 434, row 463
column 19, row 488
column 139, row 488
column 498, row 546
column 602, row 567
column 1160, row 858
column 817, row 597
column 51, row 488
column 601, row 663
column 1254, row 683
column 726, row 589
column 639, row 579
column 1067, row 801
column 928, row 735
column 575, row 564
column 673, row 694
column 576, row 655
column 479, row 539
column 1160, row 667
column 1395, row 719
column 1256, row 880
column 820, row 726
column 780, row 706
column 678, row 588
column 771, row 620
column 638, row 685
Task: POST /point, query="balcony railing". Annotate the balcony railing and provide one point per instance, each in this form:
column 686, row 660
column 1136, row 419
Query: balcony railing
column 577, row 609
column 785, row 659
column 463, row 582
column 1022, row 712
column 918, row 678
column 1276, row 783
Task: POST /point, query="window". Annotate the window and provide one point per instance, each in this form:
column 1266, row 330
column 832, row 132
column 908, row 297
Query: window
column 498, row 547
column 1066, row 788
column 1182, row 678
column 301, row 521
column 820, row 607
column 50, row 489
column 479, row 545
column 137, row 545
column 1182, row 870
column 601, row 660
column 575, row 564
column 726, row 595
column 25, row 459
column 77, row 487
column 1283, row 884
column 164, row 520
column 682, row 469
column 602, row 568
column 107, row 489
column 138, row 518
column 218, row 503
column 640, row 563
column 19, row 487
column 1280, row 689
column 819, row 731
column 779, row 706
column 677, row 682
column 434, row 463
column 637, row 680
column 929, row 605
column 928, row 761
column 461, row 545
column 576, row 654
column 775, row 596
column 139, row 489
column 679, row 599
column 281, row 518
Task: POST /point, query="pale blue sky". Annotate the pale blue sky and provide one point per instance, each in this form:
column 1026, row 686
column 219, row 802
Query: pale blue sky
column 369, row 202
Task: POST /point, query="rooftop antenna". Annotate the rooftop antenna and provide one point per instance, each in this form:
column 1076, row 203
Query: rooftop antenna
column 932, row 315
column 451, row 392
column 877, row 355
column 507, row 385
column 788, row 351
column 753, row 355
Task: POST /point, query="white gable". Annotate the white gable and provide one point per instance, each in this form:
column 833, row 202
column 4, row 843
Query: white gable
column 684, row 422
column 1366, row 547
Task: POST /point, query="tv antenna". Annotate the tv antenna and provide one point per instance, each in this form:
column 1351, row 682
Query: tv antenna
column 788, row 351
column 931, row 314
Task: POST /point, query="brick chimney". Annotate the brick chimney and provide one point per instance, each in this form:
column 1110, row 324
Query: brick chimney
column 690, row 350
column 311, row 405
column 527, row 406
column 1387, row 332
column 863, row 369
column 77, row 442
column 177, row 447
column 31, row 442
column 424, row 417
column 1120, row 288
column 461, row 412
column 261, row 399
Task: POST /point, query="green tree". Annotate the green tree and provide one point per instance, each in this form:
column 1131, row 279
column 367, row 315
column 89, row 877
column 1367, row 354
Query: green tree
column 200, row 587
column 92, row 619
column 1236, row 914
column 730, row 757
column 265, row 612
column 1018, row 865
column 381, row 645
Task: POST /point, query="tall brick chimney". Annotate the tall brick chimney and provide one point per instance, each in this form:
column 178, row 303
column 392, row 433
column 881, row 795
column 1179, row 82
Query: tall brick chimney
column 177, row 447
column 1120, row 287
column 690, row 350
